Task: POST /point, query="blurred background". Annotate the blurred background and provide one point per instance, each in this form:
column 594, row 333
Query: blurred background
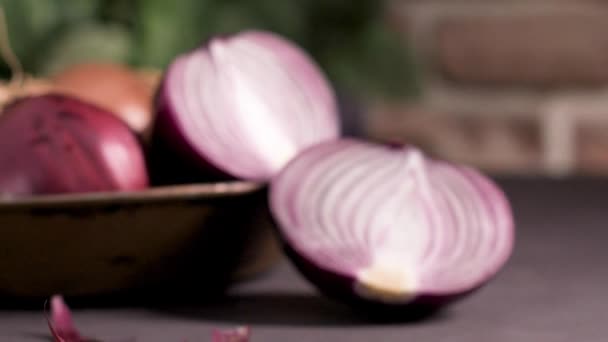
column 512, row 87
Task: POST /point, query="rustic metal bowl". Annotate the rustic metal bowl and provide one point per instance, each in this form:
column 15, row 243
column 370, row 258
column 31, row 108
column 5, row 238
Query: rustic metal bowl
column 184, row 237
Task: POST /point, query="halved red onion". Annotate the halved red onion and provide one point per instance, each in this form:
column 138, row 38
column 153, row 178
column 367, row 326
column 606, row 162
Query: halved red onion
column 245, row 105
column 58, row 144
column 388, row 225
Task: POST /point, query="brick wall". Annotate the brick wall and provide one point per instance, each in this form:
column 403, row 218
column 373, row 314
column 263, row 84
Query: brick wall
column 515, row 86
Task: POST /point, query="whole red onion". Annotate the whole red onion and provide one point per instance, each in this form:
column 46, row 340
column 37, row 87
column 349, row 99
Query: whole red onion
column 58, row 144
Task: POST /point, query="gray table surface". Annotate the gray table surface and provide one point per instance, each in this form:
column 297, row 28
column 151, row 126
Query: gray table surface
column 551, row 290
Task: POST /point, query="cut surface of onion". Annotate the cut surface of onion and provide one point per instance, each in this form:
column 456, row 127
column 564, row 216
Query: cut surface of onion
column 396, row 226
column 246, row 104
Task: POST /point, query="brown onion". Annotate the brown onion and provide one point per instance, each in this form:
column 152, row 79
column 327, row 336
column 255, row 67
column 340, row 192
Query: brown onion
column 114, row 87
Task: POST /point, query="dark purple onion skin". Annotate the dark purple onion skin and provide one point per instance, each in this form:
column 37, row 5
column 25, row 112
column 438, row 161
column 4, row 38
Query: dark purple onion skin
column 171, row 158
column 53, row 144
column 342, row 289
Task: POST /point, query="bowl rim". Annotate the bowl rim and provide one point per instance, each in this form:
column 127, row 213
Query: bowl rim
column 152, row 194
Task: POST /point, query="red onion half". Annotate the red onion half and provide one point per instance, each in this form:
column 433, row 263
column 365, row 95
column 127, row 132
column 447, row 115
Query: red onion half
column 58, row 144
column 245, row 105
column 389, row 226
